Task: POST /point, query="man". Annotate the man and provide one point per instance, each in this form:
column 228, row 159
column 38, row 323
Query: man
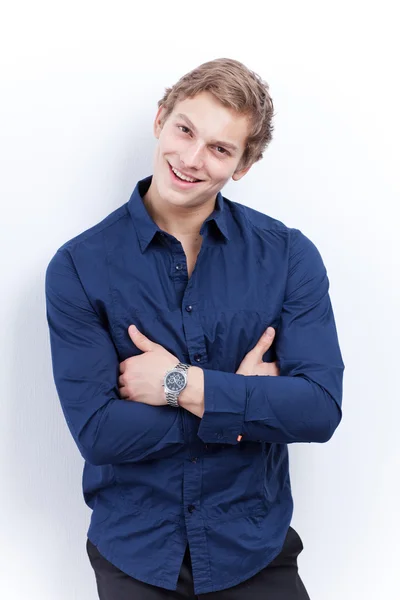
column 180, row 406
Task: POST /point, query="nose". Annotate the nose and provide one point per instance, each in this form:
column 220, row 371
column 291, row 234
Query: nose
column 192, row 157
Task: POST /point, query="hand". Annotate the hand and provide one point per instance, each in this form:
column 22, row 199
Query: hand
column 142, row 376
column 253, row 364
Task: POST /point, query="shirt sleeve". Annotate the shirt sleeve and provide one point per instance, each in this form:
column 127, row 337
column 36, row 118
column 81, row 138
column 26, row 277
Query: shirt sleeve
column 303, row 403
column 106, row 428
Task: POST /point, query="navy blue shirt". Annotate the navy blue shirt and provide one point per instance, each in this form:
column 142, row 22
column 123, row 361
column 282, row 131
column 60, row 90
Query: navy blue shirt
column 157, row 477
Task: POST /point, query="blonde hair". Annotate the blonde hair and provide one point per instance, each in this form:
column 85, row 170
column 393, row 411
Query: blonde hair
column 236, row 87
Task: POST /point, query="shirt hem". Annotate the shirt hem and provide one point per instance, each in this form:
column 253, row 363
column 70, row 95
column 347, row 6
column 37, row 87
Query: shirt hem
column 121, row 566
column 240, row 579
column 202, row 590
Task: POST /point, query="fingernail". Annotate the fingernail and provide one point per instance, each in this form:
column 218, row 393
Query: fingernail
column 134, row 328
column 268, row 332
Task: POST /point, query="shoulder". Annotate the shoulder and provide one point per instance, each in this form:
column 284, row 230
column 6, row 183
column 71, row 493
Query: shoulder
column 265, row 225
column 108, row 226
column 92, row 242
column 255, row 218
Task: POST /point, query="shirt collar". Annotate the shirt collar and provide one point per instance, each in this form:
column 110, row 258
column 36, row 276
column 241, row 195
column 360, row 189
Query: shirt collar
column 145, row 226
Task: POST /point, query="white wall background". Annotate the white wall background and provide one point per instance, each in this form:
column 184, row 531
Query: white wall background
column 79, row 84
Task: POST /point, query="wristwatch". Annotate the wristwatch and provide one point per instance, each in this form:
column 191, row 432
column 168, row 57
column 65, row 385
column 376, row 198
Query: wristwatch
column 175, row 381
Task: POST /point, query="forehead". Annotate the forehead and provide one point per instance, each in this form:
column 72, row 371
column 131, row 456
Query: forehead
column 212, row 119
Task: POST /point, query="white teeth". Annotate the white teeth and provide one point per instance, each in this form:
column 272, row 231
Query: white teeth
column 181, row 176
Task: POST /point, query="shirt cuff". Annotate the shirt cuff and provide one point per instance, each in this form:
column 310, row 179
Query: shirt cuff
column 225, row 399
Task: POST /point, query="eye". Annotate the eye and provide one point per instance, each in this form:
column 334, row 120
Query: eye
column 223, row 150
column 183, row 127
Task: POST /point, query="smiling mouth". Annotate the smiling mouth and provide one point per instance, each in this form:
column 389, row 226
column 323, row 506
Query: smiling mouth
column 174, row 174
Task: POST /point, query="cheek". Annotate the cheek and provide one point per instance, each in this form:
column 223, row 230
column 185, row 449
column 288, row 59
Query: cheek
column 169, row 142
column 221, row 172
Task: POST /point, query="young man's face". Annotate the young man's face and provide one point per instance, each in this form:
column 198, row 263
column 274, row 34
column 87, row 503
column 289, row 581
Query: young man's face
column 203, row 140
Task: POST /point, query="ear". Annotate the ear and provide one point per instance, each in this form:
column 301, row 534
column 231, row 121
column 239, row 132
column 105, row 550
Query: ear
column 158, row 121
column 239, row 174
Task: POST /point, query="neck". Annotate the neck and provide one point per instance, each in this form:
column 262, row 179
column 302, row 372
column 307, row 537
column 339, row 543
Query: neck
column 185, row 221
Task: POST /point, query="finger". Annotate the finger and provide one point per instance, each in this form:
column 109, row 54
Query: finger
column 269, row 334
column 264, row 343
column 121, row 381
column 140, row 340
column 123, row 392
column 122, row 367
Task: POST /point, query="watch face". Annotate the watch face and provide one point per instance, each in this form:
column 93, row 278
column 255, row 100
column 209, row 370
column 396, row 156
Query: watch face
column 175, row 381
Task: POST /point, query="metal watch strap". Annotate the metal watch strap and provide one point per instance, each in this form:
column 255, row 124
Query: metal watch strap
column 172, row 397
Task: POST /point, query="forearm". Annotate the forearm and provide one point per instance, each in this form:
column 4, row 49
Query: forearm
column 271, row 409
column 125, row 431
column 291, row 409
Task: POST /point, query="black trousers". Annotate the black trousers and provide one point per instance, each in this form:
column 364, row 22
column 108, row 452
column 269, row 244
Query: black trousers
column 278, row 581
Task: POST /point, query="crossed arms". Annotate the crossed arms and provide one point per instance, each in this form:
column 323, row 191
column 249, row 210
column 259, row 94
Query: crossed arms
column 303, row 404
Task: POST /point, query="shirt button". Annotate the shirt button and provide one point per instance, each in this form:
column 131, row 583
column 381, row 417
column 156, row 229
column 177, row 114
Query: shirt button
column 191, row 508
column 194, row 459
column 179, row 267
column 197, row 357
column 189, row 308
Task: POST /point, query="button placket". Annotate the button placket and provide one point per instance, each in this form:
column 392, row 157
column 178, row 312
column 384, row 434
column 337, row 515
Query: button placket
column 179, row 265
column 194, row 334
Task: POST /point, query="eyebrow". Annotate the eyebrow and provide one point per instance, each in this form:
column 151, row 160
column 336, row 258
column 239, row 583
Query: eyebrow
column 227, row 145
